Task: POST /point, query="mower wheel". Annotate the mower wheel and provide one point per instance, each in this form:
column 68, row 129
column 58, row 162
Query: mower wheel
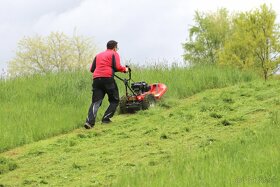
column 149, row 101
column 123, row 101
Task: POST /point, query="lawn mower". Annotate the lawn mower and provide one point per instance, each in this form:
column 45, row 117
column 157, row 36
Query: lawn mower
column 139, row 95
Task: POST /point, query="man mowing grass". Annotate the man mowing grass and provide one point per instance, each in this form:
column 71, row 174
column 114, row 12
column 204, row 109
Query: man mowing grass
column 103, row 67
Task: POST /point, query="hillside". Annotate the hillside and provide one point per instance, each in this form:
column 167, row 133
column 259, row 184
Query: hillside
column 210, row 122
column 41, row 106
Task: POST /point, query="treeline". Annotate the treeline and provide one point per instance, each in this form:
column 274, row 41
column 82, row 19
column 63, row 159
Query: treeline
column 53, row 53
column 248, row 40
column 245, row 39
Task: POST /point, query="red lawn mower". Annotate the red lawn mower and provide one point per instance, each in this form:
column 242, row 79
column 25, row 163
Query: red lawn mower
column 139, row 95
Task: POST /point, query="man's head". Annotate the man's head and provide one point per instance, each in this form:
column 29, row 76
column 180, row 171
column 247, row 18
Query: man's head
column 112, row 44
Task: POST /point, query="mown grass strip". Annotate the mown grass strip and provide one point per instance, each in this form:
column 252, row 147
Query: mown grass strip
column 249, row 160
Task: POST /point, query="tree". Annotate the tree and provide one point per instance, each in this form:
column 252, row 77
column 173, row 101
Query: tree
column 238, row 45
column 254, row 42
column 56, row 52
column 60, row 51
column 82, row 51
column 206, row 37
column 265, row 33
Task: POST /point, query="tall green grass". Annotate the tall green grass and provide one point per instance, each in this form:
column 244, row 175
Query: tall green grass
column 184, row 82
column 250, row 160
column 37, row 107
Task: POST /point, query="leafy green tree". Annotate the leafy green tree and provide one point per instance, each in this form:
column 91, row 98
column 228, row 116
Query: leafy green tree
column 56, row 52
column 254, row 42
column 207, row 36
column 238, row 45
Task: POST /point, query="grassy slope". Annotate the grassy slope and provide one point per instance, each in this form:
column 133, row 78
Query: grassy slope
column 150, row 139
column 38, row 107
column 252, row 159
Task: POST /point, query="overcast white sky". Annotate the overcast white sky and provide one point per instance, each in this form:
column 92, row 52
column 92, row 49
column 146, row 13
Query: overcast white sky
column 145, row 29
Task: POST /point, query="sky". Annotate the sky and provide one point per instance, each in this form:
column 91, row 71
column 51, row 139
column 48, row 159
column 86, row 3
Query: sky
column 147, row 31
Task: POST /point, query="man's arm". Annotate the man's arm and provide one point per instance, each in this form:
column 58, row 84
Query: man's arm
column 116, row 63
column 93, row 65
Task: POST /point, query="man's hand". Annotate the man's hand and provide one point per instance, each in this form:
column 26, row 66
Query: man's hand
column 127, row 69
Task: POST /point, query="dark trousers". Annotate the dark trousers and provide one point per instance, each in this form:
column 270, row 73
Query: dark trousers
column 100, row 87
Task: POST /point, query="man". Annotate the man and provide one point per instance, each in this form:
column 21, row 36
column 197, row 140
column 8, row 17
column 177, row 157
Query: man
column 103, row 67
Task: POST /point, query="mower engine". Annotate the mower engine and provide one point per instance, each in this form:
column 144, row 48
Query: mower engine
column 139, row 95
column 140, row 87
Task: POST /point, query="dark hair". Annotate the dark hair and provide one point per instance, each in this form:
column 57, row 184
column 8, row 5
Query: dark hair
column 112, row 44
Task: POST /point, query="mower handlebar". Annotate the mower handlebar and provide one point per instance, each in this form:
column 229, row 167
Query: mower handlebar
column 129, row 69
column 129, row 72
column 125, row 79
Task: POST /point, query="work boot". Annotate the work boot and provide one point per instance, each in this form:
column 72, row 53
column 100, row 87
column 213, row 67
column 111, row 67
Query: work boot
column 88, row 126
column 106, row 121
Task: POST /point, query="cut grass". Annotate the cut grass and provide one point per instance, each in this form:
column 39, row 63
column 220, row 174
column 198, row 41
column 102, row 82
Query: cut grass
column 249, row 160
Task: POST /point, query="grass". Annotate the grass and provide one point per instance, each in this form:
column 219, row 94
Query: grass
column 184, row 82
column 218, row 137
column 250, row 160
column 37, row 107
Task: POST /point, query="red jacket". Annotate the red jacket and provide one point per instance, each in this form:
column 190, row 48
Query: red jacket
column 106, row 63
